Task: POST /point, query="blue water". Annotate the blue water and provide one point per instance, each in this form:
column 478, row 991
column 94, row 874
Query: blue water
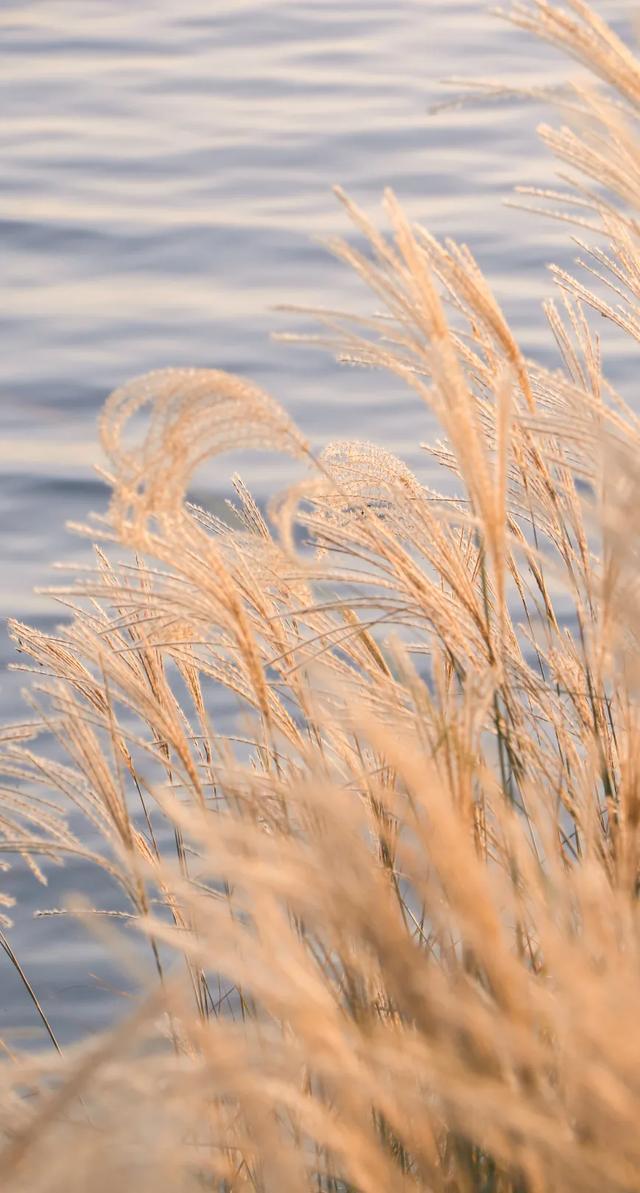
column 166, row 181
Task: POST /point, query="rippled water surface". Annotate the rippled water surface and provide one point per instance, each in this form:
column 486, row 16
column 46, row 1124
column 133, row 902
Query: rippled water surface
column 166, row 182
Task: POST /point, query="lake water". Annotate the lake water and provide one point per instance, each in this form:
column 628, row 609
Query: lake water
column 166, row 181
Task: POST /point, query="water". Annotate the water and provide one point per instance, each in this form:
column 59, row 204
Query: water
column 167, row 174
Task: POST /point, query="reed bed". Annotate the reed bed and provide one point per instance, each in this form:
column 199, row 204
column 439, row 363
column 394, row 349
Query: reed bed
column 387, row 936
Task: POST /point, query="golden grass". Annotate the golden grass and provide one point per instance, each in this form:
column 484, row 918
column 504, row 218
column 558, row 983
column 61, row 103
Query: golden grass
column 395, row 929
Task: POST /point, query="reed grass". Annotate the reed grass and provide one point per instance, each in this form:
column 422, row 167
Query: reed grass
column 392, row 925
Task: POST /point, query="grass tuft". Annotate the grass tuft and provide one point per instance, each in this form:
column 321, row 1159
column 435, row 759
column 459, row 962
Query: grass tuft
column 392, row 926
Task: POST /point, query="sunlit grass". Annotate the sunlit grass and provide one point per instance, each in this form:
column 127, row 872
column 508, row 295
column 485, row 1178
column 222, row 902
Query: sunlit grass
column 387, row 933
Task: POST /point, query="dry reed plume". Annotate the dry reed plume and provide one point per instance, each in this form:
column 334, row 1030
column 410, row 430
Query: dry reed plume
column 394, row 922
